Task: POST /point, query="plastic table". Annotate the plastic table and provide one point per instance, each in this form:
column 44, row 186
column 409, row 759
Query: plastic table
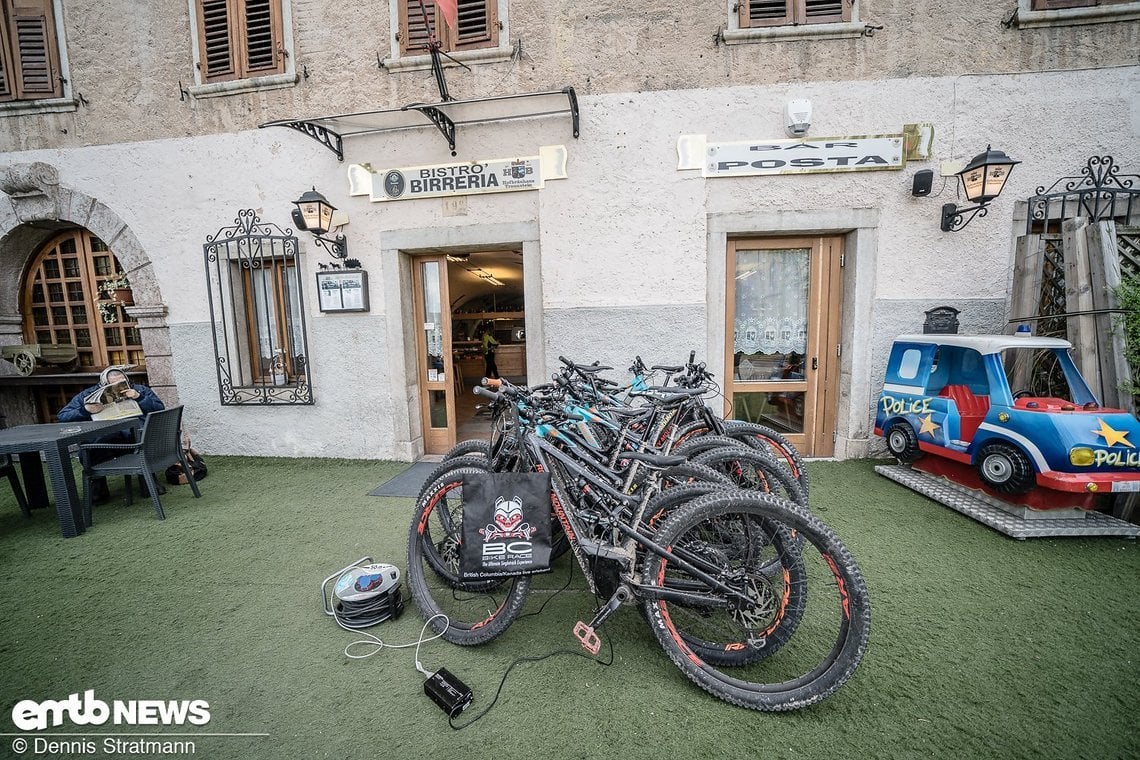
column 54, row 440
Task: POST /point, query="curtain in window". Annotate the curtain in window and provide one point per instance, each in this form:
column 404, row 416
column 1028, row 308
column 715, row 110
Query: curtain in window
column 771, row 301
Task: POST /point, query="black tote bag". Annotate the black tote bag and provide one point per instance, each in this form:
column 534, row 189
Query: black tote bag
column 506, row 524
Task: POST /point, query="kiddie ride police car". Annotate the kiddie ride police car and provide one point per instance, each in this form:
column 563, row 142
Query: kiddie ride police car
column 1009, row 414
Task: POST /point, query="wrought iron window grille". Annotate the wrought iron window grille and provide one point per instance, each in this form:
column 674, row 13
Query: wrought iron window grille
column 257, row 313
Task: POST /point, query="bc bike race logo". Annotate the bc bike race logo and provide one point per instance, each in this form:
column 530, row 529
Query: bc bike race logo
column 28, row 715
column 508, row 524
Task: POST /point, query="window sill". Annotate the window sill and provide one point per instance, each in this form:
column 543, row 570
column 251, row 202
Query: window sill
column 423, row 62
column 237, row 86
column 1101, row 14
column 843, row 30
column 29, row 107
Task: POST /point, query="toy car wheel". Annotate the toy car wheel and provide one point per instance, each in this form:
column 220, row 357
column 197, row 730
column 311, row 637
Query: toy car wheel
column 1005, row 469
column 903, row 443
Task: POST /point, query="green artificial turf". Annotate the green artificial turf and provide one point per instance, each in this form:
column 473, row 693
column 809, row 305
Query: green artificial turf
column 981, row 646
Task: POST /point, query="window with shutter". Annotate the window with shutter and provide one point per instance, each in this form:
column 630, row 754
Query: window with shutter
column 29, row 60
column 478, row 26
column 760, row 13
column 239, row 39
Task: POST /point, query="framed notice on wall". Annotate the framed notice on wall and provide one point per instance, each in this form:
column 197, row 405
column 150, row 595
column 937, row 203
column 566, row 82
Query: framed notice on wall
column 343, row 291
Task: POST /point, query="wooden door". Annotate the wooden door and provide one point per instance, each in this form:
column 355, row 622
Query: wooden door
column 433, row 352
column 782, row 338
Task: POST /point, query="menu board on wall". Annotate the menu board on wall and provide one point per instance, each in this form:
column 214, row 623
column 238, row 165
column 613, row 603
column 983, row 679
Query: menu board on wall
column 343, row 291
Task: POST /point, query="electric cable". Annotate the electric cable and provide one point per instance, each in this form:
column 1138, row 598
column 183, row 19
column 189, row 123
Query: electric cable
column 378, row 644
column 566, row 585
column 369, row 612
column 540, row 658
column 519, row 660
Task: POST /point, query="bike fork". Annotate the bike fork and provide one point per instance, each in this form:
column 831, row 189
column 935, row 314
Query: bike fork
column 587, row 634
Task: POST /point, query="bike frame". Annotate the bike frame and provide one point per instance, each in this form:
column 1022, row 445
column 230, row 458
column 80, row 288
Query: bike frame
column 549, row 458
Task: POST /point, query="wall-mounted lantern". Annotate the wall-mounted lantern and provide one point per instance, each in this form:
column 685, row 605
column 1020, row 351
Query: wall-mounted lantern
column 315, row 214
column 982, row 181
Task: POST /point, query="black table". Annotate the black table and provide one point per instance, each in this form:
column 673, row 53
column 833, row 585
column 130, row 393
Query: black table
column 54, row 441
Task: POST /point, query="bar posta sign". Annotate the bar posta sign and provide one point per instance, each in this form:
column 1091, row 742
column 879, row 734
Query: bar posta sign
column 496, row 175
column 800, row 156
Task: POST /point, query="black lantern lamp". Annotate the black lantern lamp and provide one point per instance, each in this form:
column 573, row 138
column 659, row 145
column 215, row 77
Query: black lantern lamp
column 314, row 213
column 982, row 181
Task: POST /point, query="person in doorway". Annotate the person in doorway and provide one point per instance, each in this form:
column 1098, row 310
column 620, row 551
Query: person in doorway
column 489, row 344
column 79, row 409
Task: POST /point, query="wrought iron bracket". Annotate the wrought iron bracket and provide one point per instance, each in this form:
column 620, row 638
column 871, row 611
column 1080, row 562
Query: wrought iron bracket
column 336, row 247
column 326, row 137
column 954, row 218
column 441, row 121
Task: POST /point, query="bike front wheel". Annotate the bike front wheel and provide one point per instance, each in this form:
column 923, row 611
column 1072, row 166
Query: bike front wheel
column 476, row 611
column 717, row 588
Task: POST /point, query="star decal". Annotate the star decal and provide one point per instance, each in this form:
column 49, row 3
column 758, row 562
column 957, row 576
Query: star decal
column 928, row 427
column 1112, row 437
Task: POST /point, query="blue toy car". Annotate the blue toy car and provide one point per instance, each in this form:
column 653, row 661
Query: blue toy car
column 973, row 399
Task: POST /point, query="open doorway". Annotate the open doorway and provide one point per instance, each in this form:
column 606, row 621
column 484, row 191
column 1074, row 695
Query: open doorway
column 467, row 301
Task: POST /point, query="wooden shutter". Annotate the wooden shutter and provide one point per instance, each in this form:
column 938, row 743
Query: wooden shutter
column 413, row 33
column 262, row 38
column 758, row 13
column 478, row 25
column 240, row 39
column 754, row 13
column 5, row 62
column 217, row 42
column 34, row 64
column 823, row 11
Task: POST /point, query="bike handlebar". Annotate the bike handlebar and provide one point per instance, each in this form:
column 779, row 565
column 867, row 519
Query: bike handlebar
column 486, row 392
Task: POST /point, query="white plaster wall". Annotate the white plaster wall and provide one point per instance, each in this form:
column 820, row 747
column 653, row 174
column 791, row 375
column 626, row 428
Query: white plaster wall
column 625, row 230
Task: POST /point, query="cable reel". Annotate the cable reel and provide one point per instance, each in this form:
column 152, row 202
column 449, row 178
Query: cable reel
column 365, row 594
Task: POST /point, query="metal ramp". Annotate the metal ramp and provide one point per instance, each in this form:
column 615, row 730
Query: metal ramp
column 1011, row 519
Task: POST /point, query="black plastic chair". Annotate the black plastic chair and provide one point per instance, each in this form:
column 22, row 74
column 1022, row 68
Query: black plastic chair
column 159, row 446
column 8, row 469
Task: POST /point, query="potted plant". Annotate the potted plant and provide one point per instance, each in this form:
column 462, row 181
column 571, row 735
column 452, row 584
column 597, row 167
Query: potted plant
column 109, row 311
column 118, row 289
column 277, row 368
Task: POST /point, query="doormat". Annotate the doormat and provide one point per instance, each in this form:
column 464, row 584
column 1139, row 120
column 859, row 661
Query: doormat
column 406, row 483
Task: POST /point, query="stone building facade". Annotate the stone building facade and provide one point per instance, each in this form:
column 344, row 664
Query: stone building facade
column 626, row 255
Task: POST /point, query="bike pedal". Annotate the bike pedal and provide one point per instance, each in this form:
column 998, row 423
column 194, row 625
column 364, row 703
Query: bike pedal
column 587, row 637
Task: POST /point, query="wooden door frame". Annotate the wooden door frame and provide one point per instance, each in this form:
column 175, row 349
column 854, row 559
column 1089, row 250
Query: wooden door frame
column 825, row 288
column 436, row 440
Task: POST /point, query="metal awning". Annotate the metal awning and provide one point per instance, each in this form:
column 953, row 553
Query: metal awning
column 445, row 115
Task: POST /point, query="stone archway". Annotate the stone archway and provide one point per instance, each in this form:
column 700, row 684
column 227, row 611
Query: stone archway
column 33, row 208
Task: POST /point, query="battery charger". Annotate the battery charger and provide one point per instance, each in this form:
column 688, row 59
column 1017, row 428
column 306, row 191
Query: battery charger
column 452, row 695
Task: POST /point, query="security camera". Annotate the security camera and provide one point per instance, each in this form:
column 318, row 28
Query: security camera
column 797, row 117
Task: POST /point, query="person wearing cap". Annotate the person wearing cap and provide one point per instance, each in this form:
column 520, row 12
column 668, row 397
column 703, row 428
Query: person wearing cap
column 79, row 410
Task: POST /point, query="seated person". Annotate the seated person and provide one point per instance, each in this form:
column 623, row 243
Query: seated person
column 79, row 410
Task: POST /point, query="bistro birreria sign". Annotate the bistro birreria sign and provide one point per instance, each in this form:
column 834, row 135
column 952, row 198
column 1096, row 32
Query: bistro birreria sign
column 802, row 156
column 495, row 175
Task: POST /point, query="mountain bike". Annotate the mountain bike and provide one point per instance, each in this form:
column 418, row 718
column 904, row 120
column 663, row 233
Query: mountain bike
column 754, row 599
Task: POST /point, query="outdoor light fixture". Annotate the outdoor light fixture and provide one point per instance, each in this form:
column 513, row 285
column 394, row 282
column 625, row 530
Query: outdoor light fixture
column 315, row 214
column 982, row 181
